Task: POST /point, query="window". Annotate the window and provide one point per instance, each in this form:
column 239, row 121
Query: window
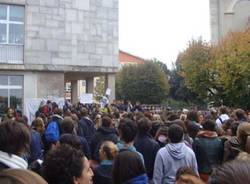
column 11, row 24
column 11, row 92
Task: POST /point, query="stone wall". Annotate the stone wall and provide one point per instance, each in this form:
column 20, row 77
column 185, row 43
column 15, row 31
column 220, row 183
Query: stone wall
column 71, row 32
column 228, row 15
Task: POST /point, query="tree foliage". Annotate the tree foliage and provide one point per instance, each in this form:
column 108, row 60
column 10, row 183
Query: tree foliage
column 146, row 83
column 219, row 73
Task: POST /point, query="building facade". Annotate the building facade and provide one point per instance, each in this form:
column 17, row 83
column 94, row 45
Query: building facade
column 47, row 43
column 228, row 15
column 126, row 58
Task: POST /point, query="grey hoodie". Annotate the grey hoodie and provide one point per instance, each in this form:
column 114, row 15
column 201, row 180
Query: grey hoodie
column 169, row 159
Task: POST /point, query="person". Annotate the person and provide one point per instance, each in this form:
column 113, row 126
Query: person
column 68, row 134
column 234, row 172
column 129, row 169
column 127, row 132
column 103, row 172
column 186, row 175
column 14, row 143
column 173, row 156
column 67, row 165
column 243, row 135
column 240, row 115
column 105, row 133
column 20, row 176
column 208, row 148
column 162, row 136
column 146, row 145
column 36, row 146
column 222, row 117
column 86, row 126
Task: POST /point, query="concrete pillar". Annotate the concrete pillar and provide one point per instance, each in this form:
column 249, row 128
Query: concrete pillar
column 90, row 85
column 110, row 83
column 74, row 91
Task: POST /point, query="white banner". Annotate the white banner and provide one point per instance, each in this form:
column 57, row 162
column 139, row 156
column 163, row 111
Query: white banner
column 86, row 98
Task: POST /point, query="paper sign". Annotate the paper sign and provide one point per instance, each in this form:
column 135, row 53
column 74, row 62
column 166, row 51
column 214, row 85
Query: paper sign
column 86, row 98
column 108, row 92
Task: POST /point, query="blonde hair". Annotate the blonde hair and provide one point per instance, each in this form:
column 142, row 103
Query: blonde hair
column 109, row 149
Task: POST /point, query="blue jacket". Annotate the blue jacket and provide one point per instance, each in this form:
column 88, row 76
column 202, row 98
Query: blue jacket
column 35, row 147
column 142, row 179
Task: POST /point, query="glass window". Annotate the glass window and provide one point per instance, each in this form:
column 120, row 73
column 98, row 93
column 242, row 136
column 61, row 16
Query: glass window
column 3, row 100
column 16, row 80
column 16, row 98
column 16, row 33
column 3, row 35
column 3, row 80
column 17, row 13
column 3, row 12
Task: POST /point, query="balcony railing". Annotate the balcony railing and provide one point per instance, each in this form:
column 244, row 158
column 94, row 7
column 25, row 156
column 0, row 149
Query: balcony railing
column 11, row 54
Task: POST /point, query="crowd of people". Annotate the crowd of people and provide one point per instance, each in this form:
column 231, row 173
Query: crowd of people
column 123, row 143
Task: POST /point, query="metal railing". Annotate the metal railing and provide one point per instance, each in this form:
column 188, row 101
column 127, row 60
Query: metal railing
column 11, row 54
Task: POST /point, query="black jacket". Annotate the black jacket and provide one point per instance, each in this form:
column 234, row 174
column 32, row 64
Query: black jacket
column 103, row 174
column 86, row 129
column 148, row 147
column 102, row 134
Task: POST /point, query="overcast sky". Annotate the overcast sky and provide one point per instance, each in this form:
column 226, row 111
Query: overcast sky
column 161, row 28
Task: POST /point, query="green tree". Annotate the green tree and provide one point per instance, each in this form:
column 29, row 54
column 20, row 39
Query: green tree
column 146, row 83
column 232, row 59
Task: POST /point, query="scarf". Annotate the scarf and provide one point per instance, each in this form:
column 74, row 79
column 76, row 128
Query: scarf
column 13, row 161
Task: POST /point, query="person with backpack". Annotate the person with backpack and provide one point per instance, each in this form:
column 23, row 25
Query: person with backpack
column 53, row 130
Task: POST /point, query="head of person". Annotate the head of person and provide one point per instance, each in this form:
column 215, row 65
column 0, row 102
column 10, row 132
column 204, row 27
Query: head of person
column 20, row 176
column 83, row 112
column 187, row 172
column 234, row 128
column 235, row 172
column 192, row 116
column 240, row 115
column 107, row 122
column 243, row 135
column 162, row 134
column 10, row 113
column 14, row 138
column 71, row 140
column 144, row 125
column 127, row 130
column 127, row 165
column 209, row 125
column 108, row 151
column 175, row 133
column 38, row 125
column 67, row 125
column 67, row 165
column 223, row 110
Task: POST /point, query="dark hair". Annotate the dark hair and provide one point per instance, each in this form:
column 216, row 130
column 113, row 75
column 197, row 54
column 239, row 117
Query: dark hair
column 234, row 128
column 144, row 125
column 223, row 110
column 240, row 114
column 106, row 121
column 71, row 140
column 14, row 137
column 62, row 165
column 172, row 117
column 209, row 125
column 84, row 111
column 175, row 133
column 127, row 165
column 67, row 125
column 192, row 116
column 235, row 172
column 128, row 130
column 58, row 111
column 184, row 170
column 180, row 123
